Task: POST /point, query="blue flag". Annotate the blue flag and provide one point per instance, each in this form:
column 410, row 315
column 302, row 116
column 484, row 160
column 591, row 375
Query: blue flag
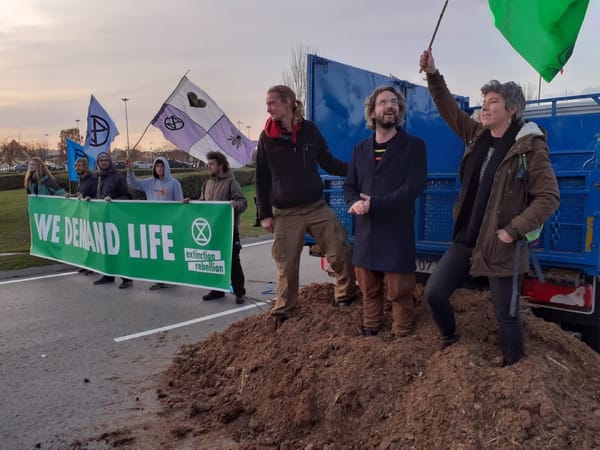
column 74, row 152
column 101, row 130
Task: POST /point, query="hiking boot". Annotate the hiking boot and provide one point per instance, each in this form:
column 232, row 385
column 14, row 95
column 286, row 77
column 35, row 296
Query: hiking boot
column 274, row 321
column 104, row 280
column 126, row 284
column 158, row 286
column 213, row 295
column 368, row 333
column 82, row 270
column 403, row 330
column 448, row 341
column 239, row 299
column 279, row 319
column 344, row 302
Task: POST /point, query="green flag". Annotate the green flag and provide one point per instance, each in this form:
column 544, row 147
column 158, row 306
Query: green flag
column 542, row 31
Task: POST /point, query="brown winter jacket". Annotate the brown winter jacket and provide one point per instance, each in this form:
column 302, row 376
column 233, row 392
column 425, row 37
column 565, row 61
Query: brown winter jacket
column 224, row 187
column 506, row 208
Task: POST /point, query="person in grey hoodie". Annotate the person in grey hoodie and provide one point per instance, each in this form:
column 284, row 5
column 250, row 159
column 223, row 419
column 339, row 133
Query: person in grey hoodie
column 160, row 187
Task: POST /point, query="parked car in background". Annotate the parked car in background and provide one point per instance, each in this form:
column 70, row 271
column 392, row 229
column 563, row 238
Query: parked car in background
column 142, row 165
column 19, row 168
column 174, row 164
column 55, row 167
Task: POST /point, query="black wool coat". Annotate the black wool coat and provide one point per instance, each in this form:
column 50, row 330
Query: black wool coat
column 384, row 239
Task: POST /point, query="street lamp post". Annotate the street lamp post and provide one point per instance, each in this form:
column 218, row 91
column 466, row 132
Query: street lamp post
column 78, row 132
column 125, row 100
column 248, row 128
column 239, row 124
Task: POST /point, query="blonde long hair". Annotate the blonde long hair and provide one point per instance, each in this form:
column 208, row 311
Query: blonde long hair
column 40, row 171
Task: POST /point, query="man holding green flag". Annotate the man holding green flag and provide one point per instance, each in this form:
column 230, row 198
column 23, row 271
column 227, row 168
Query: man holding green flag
column 541, row 31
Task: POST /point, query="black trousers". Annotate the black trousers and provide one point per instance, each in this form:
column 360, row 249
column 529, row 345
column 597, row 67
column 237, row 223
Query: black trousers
column 237, row 274
column 113, row 278
column 452, row 270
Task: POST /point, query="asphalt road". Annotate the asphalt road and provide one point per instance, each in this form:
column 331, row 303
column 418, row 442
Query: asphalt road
column 77, row 360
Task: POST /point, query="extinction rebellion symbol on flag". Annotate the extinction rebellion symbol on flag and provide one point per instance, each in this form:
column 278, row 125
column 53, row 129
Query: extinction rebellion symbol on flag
column 100, row 131
column 173, row 123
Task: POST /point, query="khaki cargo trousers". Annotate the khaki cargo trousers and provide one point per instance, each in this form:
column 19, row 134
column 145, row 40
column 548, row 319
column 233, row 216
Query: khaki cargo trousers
column 290, row 226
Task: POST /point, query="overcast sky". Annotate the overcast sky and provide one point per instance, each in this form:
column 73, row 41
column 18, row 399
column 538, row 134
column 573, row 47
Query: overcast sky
column 55, row 53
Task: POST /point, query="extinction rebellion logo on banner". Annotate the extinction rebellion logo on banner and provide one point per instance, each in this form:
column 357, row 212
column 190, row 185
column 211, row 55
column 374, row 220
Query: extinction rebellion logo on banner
column 201, row 259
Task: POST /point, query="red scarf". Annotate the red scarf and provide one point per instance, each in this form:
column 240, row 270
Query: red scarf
column 273, row 130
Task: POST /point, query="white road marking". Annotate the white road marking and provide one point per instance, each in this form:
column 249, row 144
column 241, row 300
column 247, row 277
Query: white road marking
column 64, row 274
column 187, row 322
column 41, row 277
column 165, row 328
column 257, row 243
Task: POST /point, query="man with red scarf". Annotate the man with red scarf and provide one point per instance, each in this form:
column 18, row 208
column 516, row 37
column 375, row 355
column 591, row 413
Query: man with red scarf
column 289, row 196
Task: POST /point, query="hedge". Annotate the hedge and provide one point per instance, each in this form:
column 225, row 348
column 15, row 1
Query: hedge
column 191, row 180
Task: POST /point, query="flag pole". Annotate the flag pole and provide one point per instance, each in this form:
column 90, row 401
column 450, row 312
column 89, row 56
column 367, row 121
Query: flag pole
column 152, row 120
column 539, row 88
column 437, row 25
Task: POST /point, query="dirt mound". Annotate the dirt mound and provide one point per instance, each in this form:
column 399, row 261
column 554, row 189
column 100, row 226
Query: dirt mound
column 316, row 383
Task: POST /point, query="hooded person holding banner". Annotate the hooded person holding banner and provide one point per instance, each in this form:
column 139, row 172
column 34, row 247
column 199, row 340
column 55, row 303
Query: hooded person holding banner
column 508, row 189
column 111, row 186
column 161, row 186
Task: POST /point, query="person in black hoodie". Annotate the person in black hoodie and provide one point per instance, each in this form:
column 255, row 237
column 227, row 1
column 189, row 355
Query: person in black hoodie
column 289, row 197
column 88, row 183
column 111, row 186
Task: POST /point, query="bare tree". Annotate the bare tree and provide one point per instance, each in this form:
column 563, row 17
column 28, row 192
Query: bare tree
column 295, row 77
column 11, row 152
column 118, row 154
column 69, row 133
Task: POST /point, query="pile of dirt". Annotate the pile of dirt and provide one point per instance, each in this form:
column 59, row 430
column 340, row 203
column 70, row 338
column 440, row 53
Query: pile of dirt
column 315, row 383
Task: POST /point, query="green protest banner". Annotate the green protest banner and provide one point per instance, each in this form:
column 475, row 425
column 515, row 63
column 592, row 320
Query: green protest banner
column 170, row 242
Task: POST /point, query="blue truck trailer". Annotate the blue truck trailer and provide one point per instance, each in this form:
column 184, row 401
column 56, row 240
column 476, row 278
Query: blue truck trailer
column 569, row 248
